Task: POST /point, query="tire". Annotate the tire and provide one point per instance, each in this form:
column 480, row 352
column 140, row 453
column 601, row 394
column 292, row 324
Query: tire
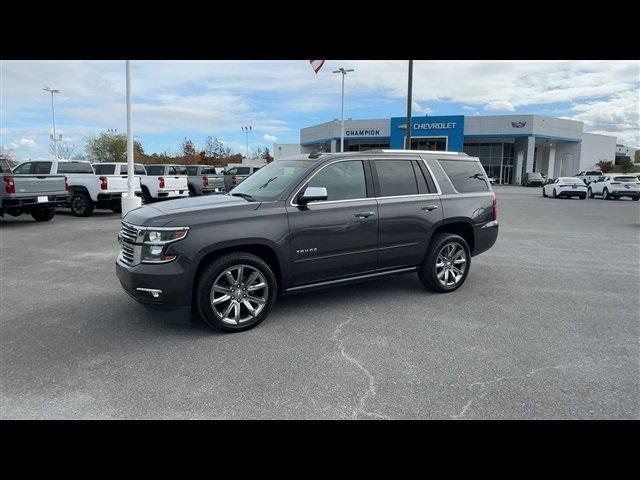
column 43, row 214
column 583, row 197
column 635, row 199
column 544, row 193
column 555, row 195
column 215, row 273
column 605, row 194
column 192, row 192
column 430, row 272
column 589, row 192
column 146, row 196
column 81, row 205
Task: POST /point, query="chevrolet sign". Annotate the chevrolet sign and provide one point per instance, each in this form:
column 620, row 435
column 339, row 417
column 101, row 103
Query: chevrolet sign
column 518, row 124
column 430, row 126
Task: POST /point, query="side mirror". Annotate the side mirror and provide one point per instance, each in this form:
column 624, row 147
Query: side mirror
column 313, row 194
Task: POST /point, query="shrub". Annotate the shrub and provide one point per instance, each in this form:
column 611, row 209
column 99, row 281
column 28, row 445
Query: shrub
column 605, row 166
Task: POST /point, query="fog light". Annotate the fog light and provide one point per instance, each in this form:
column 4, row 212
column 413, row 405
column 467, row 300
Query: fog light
column 152, row 292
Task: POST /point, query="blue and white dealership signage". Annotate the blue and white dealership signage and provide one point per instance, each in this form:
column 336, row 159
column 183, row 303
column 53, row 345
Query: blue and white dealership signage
column 450, row 127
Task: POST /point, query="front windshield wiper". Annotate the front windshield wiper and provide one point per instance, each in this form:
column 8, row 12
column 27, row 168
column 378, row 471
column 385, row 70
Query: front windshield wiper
column 267, row 182
column 246, row 196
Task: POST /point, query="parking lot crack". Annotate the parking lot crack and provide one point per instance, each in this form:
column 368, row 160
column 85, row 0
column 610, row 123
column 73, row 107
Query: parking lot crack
column 371, row 390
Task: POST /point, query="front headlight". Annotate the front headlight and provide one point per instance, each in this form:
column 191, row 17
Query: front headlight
column 156, row 242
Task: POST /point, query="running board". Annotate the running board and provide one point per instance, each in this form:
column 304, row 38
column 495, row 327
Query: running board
column 352, row 279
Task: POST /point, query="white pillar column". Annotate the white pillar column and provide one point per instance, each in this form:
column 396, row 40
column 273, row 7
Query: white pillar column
column 531, row 148
column 552, row 162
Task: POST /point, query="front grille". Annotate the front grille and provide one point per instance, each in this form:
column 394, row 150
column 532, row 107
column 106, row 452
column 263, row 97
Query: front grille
column 130, row 253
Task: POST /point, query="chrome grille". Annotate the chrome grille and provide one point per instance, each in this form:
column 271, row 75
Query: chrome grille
column 130, row 253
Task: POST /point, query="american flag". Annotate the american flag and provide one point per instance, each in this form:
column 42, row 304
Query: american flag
column 316, row 65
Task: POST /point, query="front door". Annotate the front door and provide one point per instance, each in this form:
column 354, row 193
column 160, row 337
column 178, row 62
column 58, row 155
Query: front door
column 337, row 237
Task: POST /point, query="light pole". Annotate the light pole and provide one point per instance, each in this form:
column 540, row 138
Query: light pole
column 407, row 142
column 129, row 201
column 247, row 130
column 344, row 73
column 53, row 118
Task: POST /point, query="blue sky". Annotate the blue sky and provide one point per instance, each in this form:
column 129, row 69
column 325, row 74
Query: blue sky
column 177, row 99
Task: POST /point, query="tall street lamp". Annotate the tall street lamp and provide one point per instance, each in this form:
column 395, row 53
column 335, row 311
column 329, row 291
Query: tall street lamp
column 53, row 118
column 344, row 73
column 247, row 130
column 129, row 201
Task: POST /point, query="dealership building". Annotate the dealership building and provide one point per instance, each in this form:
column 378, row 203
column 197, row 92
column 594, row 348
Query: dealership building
column 507, row 145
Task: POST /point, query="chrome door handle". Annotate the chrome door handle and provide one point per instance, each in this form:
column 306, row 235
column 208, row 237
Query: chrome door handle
column 430, row 207
column 364, row 214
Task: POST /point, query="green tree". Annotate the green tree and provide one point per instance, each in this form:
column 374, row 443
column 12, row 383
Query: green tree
column 111, row 147
column 605, row 165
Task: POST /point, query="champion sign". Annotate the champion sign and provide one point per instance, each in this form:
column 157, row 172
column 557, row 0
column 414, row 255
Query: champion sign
column 353, row 132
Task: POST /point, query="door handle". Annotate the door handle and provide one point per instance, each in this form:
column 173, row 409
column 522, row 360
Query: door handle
column 430, row 207
column 364, row 214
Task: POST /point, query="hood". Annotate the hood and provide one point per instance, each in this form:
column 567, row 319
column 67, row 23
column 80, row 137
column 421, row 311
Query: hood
column 185, row 211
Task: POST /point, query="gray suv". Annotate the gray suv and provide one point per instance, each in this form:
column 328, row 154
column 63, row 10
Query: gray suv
column 306, row 222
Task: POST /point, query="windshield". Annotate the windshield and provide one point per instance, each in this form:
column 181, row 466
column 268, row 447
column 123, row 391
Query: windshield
column 269, row 182
column 571, row 180
column 535, row 175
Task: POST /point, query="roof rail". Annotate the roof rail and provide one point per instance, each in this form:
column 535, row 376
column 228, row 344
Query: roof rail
column 436, row 152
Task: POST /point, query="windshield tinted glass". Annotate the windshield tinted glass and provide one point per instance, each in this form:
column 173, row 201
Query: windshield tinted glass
column 625, row 179
column 138, row 169
column 269, row 182
column 74, row 167
column 571, row 180
column 155, row 170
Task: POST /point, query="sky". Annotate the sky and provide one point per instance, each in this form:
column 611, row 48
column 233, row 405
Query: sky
column 177, row 99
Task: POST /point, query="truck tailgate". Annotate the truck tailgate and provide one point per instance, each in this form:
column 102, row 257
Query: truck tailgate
column 35, row 184
column 118, row 183
column 175, row 182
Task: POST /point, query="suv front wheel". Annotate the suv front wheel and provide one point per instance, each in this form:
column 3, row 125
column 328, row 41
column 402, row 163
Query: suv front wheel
column 447, row 263
column 236, row 292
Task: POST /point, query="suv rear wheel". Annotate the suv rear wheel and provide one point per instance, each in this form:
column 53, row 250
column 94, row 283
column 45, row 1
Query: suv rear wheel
column 447, row 263
column 236, row 292
column 43, row 214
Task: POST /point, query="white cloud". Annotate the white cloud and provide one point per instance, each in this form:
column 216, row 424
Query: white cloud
column 13, row 145
column 419, row 109
column 269, row 138
column 27, row 143
column 500, row 105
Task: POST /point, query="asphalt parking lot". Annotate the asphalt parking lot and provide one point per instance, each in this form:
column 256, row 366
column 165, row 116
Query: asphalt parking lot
column 546, row 326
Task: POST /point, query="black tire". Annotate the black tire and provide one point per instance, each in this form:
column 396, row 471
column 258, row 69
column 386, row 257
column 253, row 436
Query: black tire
column 635, row 199
column 192, row 191
column 43, row 214
column 213, row 271
column 81, row 205
column 555, row 195
column 116, row 207
column 583, row 197
column 589, row 192
column 605, row 194
column 146, row 196
column 544, row 193
column 427, row 272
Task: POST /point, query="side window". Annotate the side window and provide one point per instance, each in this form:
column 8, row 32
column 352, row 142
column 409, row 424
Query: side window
column 172, row 171
column 243, row 171
column 466, row 176
column 396, row 177
column 106, row 169
column 231, row 171
column 192, row 171
column 343, row 180
column 42, row 168
column 23, row 168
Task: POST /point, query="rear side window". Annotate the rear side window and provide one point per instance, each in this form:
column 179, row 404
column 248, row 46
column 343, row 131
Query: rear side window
column 104, row 169
column 155, row 170
column 74, row 167
column 178, row 170
column 209, row 171
column 396, row 177
column 465, row 176
column 343, row 180
column 192, row 170
column 243, row 171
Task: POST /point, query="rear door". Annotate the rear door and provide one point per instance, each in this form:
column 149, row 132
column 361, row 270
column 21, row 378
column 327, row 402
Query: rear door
column 337, row 237
column 409, row 207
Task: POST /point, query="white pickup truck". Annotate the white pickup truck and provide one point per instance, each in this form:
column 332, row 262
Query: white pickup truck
column 163, row 182
column 86, row 189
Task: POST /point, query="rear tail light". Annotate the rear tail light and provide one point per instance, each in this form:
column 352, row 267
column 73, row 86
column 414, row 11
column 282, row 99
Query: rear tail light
column 234, row 180
column 66, row 184
column 161, row 180
column 494, row 207
column 10, row 186
column 103, row 183
column 205, row 181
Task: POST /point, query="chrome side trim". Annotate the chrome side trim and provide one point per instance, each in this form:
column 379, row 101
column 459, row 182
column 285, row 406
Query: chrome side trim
column 155, row 293
column 493, row 223
column 350, row 279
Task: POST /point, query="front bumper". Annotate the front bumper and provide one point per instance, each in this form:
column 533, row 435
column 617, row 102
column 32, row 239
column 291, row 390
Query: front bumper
column 168, row 278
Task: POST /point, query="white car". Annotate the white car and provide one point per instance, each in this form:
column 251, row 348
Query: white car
column 565, row 187
column 615, row 186
column 589, row 176
column 86, row 189
column 163, row 182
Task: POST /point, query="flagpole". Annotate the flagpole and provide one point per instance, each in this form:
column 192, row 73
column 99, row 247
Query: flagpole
column 129, row 201
column 407, row 144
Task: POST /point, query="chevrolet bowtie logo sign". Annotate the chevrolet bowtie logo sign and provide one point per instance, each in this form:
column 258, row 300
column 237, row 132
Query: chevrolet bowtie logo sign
column 518, row 124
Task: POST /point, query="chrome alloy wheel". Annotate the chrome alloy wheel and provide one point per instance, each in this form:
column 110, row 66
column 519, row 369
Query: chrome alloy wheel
column 451, row 264
column 239, row 294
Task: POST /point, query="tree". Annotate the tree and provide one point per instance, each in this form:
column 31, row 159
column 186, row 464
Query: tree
column 625, row 165
column 267, row 156
column 65, row 149
column 188, row 148
column 112, row 147
column 605, row 165
column 214, row 148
